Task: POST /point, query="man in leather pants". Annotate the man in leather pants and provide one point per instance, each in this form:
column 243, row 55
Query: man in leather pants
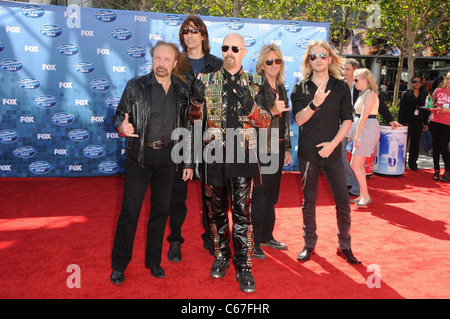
column 150, row 109
column 229, row 106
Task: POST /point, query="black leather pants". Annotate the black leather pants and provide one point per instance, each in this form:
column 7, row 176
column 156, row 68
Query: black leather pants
column 239, row 189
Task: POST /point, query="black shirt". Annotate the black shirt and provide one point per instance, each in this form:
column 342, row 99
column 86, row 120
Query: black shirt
column 162, row 114
column 325, row 123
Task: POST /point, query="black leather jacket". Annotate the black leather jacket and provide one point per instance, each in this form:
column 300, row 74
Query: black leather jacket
column 135, row 101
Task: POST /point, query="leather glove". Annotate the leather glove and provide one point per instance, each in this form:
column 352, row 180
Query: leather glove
column 245, row 97
column 198, row 89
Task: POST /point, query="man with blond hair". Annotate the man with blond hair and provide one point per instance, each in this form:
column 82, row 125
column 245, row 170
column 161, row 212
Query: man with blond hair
column 322, row 108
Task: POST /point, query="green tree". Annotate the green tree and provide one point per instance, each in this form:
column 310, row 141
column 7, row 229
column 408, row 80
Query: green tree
column 412, row 26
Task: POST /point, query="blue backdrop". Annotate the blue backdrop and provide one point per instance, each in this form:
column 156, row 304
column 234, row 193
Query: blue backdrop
column 63, row 70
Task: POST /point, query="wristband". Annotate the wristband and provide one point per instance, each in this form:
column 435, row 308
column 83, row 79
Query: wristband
column 313, row 107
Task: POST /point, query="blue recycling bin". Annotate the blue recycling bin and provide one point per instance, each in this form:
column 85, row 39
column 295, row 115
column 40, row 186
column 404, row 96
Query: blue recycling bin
column 390, row 152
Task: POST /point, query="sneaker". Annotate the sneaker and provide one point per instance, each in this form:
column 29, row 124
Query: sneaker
column 275, row 244
column 246, row 280
column 174, row 253
column 258, row 253
column 219, row 267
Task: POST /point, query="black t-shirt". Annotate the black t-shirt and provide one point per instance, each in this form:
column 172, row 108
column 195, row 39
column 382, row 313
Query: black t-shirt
column 325, row 123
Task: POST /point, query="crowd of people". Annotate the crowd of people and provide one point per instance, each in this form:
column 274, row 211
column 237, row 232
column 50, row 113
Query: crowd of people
column 241, row 121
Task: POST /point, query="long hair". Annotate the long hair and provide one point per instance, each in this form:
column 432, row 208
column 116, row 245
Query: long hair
column 182, row 66
column 200, row 25
column 336, row 63
column 262, row 59
column 366, row 74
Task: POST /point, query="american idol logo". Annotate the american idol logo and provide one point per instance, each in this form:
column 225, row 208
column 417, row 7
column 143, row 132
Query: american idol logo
column 67, row 49
column 45, row 101
column 8, row 136
column 172, row 20
column 28, row 84
column 93, row 151
column 99, row 85
column 146, row 68
column 24, row 152
column 62, row 118
column 2, row 46
column 108, row 167
column 136, row 52
column 254, row 56
column 40, row 167
column 235, row 24
column 249, row 40
column 293, row 27
column 51, row 31
column 303, row 43
column 78, row 135
column 112, row 102
column 121, row 34
column 11, row 65
column 105, row 16
column 32, row 11
column 84, row 67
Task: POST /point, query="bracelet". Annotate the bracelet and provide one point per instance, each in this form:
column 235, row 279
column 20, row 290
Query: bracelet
column 313, row 107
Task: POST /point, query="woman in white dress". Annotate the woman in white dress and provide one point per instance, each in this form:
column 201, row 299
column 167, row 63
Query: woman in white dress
column 366, row 130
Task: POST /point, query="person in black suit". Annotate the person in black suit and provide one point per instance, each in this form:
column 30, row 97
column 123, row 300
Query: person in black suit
column 412, row 114
column 350, row 65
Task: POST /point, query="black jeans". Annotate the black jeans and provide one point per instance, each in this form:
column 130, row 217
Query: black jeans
column 440, row 133
column 415, row 129
column 178, row 209
column 158, row 171
column 264, row 199
column 239, row 190
column 335, row 173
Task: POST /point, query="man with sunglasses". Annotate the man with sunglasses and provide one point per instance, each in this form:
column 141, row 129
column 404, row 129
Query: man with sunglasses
column 412, row 114
column 194, row 40
column 228, row 104
column 322, row 108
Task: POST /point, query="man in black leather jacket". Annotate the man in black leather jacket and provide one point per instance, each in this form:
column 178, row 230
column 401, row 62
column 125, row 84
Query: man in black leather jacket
column 194, row 40
column 152, row 108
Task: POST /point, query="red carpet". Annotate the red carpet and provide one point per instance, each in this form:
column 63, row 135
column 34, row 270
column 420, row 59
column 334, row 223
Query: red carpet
column 48, row 224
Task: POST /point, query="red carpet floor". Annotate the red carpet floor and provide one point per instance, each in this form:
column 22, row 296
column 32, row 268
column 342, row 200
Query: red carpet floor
column 49, row 224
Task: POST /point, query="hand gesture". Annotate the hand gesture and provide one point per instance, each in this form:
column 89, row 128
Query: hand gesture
column 198, row 88
column 245, row 97
column 320, row 94
column 126, row 128
column 279, row 106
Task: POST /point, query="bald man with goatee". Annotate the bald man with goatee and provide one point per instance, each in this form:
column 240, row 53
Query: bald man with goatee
column 230, row 102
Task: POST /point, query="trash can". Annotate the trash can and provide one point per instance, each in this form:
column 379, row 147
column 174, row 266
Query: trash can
column 390, row 152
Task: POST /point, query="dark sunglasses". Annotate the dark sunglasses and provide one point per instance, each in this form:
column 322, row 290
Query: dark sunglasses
column 235, row 49
column 192, row 31
column 415, row 81
column 314, row 56
column 270, row 62
column 355, row 80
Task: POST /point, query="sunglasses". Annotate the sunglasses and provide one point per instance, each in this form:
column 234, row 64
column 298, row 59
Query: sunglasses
column 415, row 81
column 355, row 80
column 322, row 55
column 235, row 49
column 192, row 31
column 270, row 62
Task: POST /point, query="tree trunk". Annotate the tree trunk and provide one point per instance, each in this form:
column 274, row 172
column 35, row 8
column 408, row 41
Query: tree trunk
column 398, row 78
column 236, row 8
